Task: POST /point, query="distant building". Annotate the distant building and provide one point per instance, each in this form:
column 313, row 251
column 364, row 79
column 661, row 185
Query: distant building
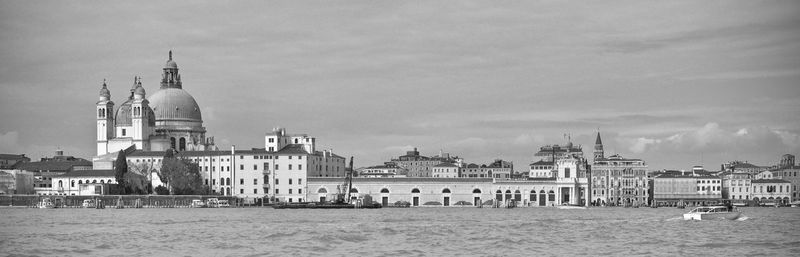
column 16, row 182
column 742, row 166
column 736, row 186
column 422, row 166
column 387, row 170
column 49, row 167
column 445, row 170
column 791, row 174
column 7, row 161
column 787, row 161
column 279, row 171
column 542, row 169
column 672, row 190
column 617, row 180
column 771, row 191
column 497, row 169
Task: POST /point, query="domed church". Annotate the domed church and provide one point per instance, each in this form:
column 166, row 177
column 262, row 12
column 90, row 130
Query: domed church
column 169, row 118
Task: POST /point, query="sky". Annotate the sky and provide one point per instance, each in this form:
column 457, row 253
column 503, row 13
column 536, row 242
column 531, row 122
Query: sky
column 675, row 83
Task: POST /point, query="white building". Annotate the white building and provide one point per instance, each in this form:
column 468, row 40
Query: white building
column 445, row 170
column 279, row 171
column 169, row 118
column 771, row 191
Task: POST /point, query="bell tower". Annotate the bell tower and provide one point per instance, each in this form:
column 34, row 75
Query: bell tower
column 140, row 117
column 105, row 120
column 598, row 148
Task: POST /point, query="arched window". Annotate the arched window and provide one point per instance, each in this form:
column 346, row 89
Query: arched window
column 80, row 182
column 354, row 191
column 228, row 191
column 172, row 142
column 228, row 181
column 415, row 191
column 446, row 191
column 94, row 181
column 72, row 183
column 532, row 197
column 499, row 195
column 102, row 181
column 476, row 191
column 508, row 194
column 385, row 190
column 183, row 144
column 60, row 183
column 551, row 196
column 322, row 191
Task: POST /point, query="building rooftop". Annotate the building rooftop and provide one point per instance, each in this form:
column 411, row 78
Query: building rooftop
column 88, row 173
column 770, row 181
column 52, row 165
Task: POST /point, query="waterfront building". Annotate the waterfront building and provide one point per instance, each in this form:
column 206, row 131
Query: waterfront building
column 554, row 152
column 90, row 182
column 48, row 167
column 16, row 182
column 789, row 172
column 617, row 180
column 736, row 186
column 387, row 170
column 771, row 191
column 8, row 161
column 420, row 192
column 279, row 171
column 168, row 119
column 672, row 190
column 422, row 166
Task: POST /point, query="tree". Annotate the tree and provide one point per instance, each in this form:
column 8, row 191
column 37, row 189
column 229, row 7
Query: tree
column 120, row 168
column 181, row 176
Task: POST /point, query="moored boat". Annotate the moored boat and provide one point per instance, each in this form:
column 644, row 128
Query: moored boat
column 713, row 212
column 45, row 203
column 571, row 207
column 89, row 203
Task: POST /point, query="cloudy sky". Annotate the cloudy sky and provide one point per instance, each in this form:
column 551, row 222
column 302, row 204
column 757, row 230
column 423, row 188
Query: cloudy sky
column 674, row 83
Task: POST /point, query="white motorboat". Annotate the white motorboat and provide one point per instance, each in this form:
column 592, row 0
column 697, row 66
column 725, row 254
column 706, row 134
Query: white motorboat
column 89, row 203
column 713, row 212
column 571, row 207
column 46, row 203
column 198, row 204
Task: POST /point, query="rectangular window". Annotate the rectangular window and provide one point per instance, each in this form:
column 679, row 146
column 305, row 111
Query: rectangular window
column 241, row 191
column 290, row 167
column 123, row 132
column 276, row 167
column 272, row 149
column 255, row 181
column 266, row 166
column 272, row 140
column 290, row 181
column 241, row 181
column 241, row 166
column 300, row 157
column 300, row 166
column 255, row 191
column 276, row 181
column 255, row 166
column 276, row 191
column 241, row 157
column 255, row 157
column 299, row 181
column 299, row 191
column 213, row 168
column 206, row 182
column 214, row 181
column 290, row 191
column 290, row 157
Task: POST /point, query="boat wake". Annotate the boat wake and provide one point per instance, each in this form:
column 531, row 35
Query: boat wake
column 674, row 219
column 742, row 218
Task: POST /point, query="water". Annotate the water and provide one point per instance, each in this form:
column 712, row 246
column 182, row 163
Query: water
column 388, row 232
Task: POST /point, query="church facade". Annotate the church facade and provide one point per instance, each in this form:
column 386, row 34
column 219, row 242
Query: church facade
column 168, row 119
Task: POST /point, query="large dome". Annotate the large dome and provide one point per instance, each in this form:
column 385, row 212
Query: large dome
column 174, row 104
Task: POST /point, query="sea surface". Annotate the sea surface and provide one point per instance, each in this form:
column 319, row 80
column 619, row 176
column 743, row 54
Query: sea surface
column 394, row 232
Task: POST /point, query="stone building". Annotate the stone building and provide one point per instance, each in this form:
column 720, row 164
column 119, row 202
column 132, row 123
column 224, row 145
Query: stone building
column 771, row 192
column 617, row 180
column 672, row 190
column 170, row 118
column 422, row 166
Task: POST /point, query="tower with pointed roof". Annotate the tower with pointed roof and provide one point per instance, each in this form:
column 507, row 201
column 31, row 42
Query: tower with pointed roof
column 598, row 148
column 105, row 119
column 140, row 117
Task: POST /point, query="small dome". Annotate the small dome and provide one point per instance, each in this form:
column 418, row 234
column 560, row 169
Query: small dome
column 105, row 94
column 139, row 90
column 123, row 115
column 170, row 63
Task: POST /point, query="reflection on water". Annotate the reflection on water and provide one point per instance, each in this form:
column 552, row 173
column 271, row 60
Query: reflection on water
column 382, row 232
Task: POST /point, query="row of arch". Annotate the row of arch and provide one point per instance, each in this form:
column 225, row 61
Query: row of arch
column 181, row 146
column 72, row 182
column 386, row 191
